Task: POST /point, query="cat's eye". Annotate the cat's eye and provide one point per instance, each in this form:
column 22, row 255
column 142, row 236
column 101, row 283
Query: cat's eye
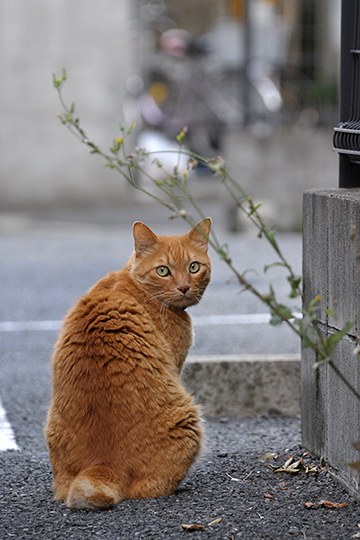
column 194, row 267
column 163, row 271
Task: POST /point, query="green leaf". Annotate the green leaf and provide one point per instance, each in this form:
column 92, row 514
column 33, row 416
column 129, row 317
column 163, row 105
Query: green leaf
column 306, row 342
column 275, row 320
column 181, row 136
column 59, row 81
column 270, row 235
column 253, row 208
column 314, row 304
column 332, row 340
column 295, row 282
column 285, row 312
column 268, row 266
column 131, row 128
column 282, row 313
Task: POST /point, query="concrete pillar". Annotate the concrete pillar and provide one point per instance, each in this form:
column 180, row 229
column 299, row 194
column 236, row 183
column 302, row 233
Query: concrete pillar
column 331, row 268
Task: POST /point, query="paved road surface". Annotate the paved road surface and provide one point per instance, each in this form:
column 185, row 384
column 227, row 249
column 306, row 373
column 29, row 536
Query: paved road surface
column 44, row 267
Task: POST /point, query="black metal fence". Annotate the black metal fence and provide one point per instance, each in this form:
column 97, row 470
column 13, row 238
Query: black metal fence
column 347, row 134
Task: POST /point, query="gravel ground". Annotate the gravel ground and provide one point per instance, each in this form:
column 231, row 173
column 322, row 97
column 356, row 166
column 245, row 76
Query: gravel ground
column 229, row 494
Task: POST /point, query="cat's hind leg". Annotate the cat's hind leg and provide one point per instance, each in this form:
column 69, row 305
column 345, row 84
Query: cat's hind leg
column 169, row 461
column 97, row 487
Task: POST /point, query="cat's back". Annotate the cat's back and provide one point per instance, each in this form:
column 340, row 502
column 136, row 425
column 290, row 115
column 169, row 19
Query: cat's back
column 114, row 323
column 113, row 305
column 109, row 350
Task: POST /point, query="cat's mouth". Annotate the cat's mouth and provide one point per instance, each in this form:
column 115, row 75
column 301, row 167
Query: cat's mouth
column 184, row 301
column 179, row 301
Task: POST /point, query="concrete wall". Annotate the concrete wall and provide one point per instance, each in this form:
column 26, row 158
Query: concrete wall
column 40, row 162
column 245, row 385
column 278, row 169
column 330, row 412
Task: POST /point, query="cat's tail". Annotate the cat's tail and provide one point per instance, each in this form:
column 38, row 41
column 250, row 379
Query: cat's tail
column 96, row 488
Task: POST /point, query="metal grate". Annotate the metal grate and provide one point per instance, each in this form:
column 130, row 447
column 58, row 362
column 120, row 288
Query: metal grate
column 347, row 134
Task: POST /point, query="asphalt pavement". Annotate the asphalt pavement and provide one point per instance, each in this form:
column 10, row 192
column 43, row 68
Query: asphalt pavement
column 233, row 491
column 47, row 263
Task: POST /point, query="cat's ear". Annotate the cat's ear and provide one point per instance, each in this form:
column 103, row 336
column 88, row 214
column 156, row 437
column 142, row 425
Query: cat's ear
column 144, row 238
column 200, row 234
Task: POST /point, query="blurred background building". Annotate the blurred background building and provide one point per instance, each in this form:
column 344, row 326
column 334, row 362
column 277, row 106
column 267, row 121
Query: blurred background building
column 255, row 80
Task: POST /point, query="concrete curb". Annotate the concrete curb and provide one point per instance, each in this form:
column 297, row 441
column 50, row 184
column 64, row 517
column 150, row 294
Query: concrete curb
column 245, row 385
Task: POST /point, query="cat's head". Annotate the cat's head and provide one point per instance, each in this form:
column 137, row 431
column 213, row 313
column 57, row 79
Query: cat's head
column 174, row 269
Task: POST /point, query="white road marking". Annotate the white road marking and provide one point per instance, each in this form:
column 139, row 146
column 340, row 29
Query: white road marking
column 32, row 326
column 198, row 320
column 7, row 437
column 236, row 319
column 224, row 320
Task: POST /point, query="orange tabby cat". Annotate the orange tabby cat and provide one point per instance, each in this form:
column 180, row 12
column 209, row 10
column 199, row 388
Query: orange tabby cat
column 120, row 423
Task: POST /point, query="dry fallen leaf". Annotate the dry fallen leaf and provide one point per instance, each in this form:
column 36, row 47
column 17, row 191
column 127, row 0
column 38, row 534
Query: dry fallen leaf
column 268, row 496
column 355, row 465
column 214, row 522
column 326, row 504
column 294, row 465
column 192, row 526
column 288, row 462
column 331, row 504
column 290, row 470
column 290, row 466
column 268, row 456
column 311, row 469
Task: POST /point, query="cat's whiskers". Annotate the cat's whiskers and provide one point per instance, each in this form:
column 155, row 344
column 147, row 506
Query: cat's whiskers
column 202, row 294
column 163, row 308
column 161, row 298
column 155, row 296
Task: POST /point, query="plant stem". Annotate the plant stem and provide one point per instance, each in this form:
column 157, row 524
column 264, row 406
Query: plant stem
column 308, row 329
column 343, row 379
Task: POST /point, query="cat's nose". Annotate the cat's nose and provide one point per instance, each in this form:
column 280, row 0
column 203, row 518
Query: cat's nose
column 184, row 289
